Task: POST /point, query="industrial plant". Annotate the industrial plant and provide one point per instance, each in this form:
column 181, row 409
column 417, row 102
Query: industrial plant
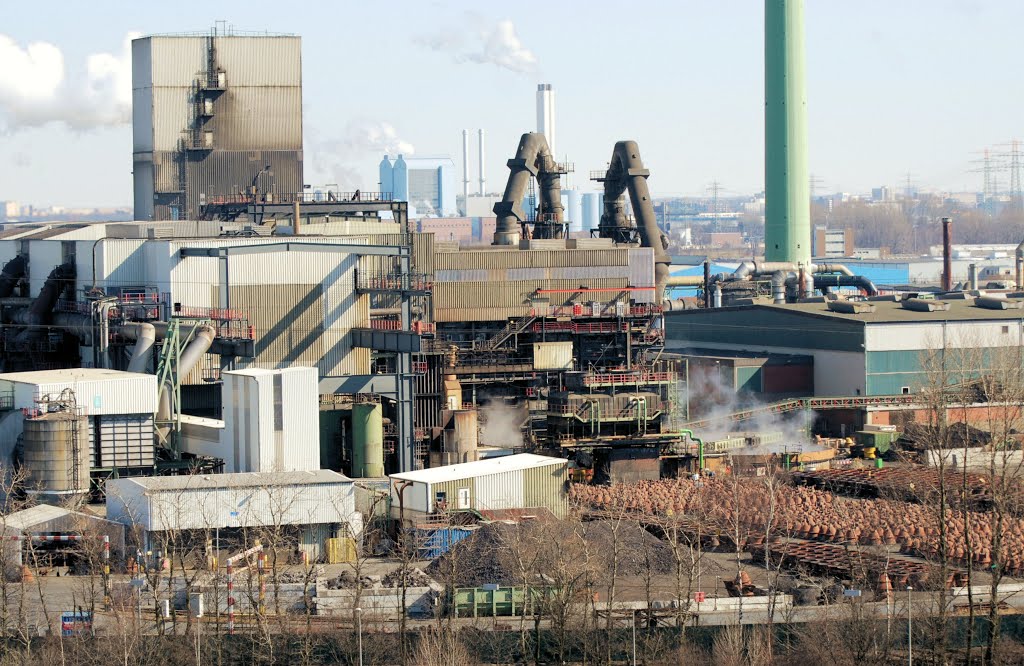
column 258, row 405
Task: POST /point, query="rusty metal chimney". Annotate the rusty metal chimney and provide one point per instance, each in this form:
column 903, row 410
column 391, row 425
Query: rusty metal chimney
column 947, row 255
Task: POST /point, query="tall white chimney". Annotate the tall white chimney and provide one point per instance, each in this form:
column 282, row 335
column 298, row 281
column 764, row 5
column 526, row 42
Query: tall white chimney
column 483, row 181
column 465, row 170
column 546, row 114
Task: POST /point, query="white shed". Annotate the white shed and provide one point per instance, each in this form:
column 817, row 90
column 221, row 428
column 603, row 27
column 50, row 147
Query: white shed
column 491, row 487
column 320, row 502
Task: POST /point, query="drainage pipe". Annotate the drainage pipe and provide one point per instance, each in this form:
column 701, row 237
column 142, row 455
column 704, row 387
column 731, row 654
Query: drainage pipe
column 947, row 255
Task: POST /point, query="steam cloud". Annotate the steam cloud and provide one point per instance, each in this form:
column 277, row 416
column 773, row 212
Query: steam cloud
column 35, row 90
column 334, row 159
column 502, row 426
column 488, row 44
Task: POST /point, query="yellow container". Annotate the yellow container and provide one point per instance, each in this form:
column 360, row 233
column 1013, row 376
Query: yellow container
column 340, row 550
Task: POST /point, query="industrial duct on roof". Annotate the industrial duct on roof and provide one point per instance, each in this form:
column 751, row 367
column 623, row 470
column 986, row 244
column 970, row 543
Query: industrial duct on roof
column 39, row 313
column 533, row 159
column 626, row 172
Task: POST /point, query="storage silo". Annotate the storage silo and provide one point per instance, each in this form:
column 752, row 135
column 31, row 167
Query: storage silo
column 56, row 455
column 367, row 440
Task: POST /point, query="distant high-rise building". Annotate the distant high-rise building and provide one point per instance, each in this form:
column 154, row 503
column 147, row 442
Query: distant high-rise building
column 213, row 116
column 546, row 114
column 427, row 183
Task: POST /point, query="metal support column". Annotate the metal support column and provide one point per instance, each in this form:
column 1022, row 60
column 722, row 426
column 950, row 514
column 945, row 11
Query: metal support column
column 404, row 393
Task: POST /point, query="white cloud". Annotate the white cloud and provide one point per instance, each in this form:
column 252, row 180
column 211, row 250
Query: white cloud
column 338, row 160
column 484, row 43
column 36, row 89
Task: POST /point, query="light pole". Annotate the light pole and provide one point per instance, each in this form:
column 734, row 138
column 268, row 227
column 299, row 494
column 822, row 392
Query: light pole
column 910, row 628
column 359, row 625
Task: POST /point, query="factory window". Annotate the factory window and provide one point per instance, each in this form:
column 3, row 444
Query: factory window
column 905, row 390
column 1006, row 329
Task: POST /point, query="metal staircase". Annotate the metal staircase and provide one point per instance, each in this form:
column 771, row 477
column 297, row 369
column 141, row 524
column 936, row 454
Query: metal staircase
column 513, row 327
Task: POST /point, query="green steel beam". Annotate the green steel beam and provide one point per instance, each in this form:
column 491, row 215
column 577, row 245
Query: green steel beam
column 787, row 190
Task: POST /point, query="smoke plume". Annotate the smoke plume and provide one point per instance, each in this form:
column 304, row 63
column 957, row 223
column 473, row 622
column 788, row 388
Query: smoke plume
column 337, row 159
column 502, row 426
column 36, row 89
column 484, row 43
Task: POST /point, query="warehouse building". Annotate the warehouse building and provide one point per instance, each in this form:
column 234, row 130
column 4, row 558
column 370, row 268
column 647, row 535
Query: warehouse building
column 508, row 486
column 874, row 349
column 43, row 534
column 309, row 507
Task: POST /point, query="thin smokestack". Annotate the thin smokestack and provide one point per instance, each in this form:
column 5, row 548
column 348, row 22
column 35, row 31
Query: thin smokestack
column 546, row 114
column 947, row 255
column 483, row 180
column 465, row 170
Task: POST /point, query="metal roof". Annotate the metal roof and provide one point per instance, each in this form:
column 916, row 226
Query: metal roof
column 41, row 513
column 237, row 480
column 67, row 375
column 887, row 312
column 514, row 463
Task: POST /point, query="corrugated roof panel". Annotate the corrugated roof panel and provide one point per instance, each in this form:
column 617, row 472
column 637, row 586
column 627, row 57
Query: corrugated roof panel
column 519, row 461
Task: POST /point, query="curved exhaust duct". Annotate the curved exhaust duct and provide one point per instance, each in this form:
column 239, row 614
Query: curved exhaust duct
column 13, row 271
column 188, row 360
column 533, row 159
column 626, row 172
column 145, row 338
column 39, row 313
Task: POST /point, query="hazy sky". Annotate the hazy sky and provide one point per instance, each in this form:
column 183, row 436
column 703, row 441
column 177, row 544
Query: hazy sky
column 894, row 86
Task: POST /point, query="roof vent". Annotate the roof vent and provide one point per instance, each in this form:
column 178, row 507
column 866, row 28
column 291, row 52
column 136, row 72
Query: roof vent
column 850, row 307
column 925, row 305
column 992, row 303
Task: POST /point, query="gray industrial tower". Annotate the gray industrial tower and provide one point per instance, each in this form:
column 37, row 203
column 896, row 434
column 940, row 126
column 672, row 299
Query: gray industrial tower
column 214, row 116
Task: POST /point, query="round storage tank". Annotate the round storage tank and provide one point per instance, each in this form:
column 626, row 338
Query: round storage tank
column 367, row 440
column 56, row 454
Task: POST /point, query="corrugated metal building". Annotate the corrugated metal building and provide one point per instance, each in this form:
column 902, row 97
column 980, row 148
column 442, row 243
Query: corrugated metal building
column 318, row 502
column 521, row 481
column 119, row 407
column 871, row 353
column 209, row 113
column 271, row 420
column 46, row 520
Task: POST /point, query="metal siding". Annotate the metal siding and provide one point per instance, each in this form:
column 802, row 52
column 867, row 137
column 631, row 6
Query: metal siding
column 260, row 61
column 301, row 418
column 257, row 118
column 122, row 263
column 544, row 486
column 44, row 256
column 129, row 393
column 8, row 250
column 202, row 508
column 142, row 120
column 499, row 491
column 171, row 115
column 552, row 355
column 177, row 61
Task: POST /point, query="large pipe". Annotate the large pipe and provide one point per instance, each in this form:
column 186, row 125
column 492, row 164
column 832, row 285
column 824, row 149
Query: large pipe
column 13, row 271
column 972, row 277
column 684, row 281
column 41, row 309
column 824, row 281
column 188, row 360
column 626, row 172
column 787, row 189
column 947, row 255
column 483, row 181
column 778, row 287
column 145, row 338
column 532, row 158
column 707, row 283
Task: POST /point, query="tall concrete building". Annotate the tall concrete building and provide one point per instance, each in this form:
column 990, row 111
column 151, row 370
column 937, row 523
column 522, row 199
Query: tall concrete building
column 214, row 116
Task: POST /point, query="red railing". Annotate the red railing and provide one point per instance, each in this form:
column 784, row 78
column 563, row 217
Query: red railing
column 627, row 378
column 218, row 314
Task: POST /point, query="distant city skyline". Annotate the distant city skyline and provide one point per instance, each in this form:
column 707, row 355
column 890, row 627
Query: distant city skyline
column 893, row 88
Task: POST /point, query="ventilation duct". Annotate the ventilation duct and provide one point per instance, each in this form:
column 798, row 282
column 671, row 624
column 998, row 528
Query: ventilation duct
column 992, row 303
column 925, row 305
column 851, row 307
